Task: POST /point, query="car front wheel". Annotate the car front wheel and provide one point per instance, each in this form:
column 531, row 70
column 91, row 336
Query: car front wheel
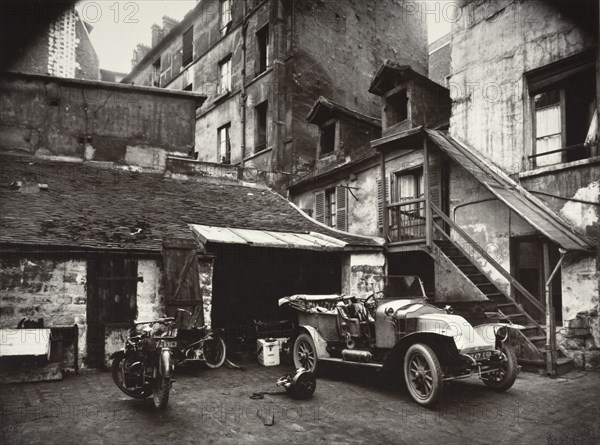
column 423, row 374
column 502, row 379
column 305, row 353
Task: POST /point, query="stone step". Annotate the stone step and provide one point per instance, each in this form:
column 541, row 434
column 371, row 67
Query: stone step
column 563, row 365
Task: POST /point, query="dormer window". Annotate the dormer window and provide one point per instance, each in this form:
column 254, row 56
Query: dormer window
column 328, row 139
column 396, row 107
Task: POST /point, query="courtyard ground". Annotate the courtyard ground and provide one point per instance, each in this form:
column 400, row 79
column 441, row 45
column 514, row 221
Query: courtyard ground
column 349, row 406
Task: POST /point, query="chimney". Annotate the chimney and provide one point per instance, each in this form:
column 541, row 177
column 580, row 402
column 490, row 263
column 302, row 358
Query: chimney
column 168, row 24
column 139, row 53
column 157, row 34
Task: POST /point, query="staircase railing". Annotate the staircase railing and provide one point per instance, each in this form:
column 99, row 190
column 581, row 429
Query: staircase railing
column 518, row 286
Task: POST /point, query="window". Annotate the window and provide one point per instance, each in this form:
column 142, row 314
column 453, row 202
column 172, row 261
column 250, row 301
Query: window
column 563, row 103
column 224, row 141
column 262, row 49
column 396, row 108
column 407, row 221
column 260, row 122
column 156, row 73
column 409, row 185
column 548, row 127
column 188, row 47
column 224, row 75
column 327, row 140
column 331, row 207
column 225, row 16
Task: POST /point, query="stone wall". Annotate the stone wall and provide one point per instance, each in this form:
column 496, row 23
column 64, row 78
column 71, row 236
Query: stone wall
column 67, row 118
column 38, row 286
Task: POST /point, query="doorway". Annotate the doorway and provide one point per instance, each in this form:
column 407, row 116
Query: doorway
column 527, row 266
column 111, row 301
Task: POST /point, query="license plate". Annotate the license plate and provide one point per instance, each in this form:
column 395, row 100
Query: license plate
column 169, row 344
column 480, row 356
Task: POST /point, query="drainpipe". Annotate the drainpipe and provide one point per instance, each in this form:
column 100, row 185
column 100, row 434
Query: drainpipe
column 550, row 346
column 243, row 92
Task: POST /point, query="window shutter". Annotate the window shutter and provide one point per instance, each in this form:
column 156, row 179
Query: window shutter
column 380, row 200
column 320, row 207
column 341, row 199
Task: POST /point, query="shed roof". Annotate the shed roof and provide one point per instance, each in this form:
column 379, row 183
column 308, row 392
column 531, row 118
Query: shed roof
column 391, row 72
column 99, row 208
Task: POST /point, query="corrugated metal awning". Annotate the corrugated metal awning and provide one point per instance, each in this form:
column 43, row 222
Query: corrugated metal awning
column 530, row 208
column 267, row 238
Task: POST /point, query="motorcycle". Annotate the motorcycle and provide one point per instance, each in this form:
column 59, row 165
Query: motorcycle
column 200, row 344
column 144, row 367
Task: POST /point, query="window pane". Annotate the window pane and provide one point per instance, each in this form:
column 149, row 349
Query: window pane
column 546, row 144
column 548, row 121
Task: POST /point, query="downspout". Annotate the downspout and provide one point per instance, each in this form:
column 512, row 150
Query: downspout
column 550, row 346
column 243, row 92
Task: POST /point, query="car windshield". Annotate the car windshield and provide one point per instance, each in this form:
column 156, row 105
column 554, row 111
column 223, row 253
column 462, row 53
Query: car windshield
column 403, row 286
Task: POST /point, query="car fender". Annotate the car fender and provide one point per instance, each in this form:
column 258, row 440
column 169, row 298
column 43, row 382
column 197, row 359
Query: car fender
column 319, row 341
column 443, row 345
column 165, row 363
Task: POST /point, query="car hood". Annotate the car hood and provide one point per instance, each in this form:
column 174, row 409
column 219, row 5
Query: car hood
column 465, row 337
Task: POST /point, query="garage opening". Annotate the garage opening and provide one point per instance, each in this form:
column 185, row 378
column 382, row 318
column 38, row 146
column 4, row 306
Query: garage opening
column 249, row 281
column 414, row 263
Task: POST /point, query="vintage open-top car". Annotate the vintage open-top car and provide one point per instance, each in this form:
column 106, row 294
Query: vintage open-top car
column 398, row 331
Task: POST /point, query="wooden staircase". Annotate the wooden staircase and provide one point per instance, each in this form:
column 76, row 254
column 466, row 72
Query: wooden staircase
column 531, row 353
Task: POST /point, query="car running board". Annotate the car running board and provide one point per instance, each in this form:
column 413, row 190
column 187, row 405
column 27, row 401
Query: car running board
column 347, row 362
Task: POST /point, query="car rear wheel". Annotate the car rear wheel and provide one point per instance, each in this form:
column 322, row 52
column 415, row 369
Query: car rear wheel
column 305, row 353
column 423, row 374
column 506, row 375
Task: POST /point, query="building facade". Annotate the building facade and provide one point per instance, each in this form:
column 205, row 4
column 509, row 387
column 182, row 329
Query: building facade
column 63, row 50
column 500, row 201
column 263, row 64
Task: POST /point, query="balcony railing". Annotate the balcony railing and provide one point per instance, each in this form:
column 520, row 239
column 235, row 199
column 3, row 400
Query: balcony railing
column 407, row 221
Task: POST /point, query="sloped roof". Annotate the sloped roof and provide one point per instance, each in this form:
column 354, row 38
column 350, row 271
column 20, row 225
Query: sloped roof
column 92, row 207
column 390, row 73
column 324, row 109
column 530, row 208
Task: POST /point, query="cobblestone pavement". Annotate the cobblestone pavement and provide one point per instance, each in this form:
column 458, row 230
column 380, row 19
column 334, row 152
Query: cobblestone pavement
column 349, row 406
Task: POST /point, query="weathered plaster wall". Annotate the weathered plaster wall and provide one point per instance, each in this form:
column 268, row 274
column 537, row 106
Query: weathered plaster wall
column 486, row 220
column 362, row 274
column 557, row 186
column 493, row 44
column 49, row 116
column 36, row 287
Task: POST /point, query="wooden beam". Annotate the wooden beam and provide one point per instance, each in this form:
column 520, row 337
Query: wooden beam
column 428, row 219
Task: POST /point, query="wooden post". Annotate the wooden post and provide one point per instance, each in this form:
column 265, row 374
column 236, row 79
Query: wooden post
column 550, row 346
column 384, row 203
column 428, row 216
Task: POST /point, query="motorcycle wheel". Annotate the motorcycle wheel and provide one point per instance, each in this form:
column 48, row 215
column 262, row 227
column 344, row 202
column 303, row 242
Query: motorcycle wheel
column 118, row 375
column 214, row 352
column 160, row 392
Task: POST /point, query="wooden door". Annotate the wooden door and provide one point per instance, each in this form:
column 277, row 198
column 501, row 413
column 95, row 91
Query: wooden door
column 182, row 284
